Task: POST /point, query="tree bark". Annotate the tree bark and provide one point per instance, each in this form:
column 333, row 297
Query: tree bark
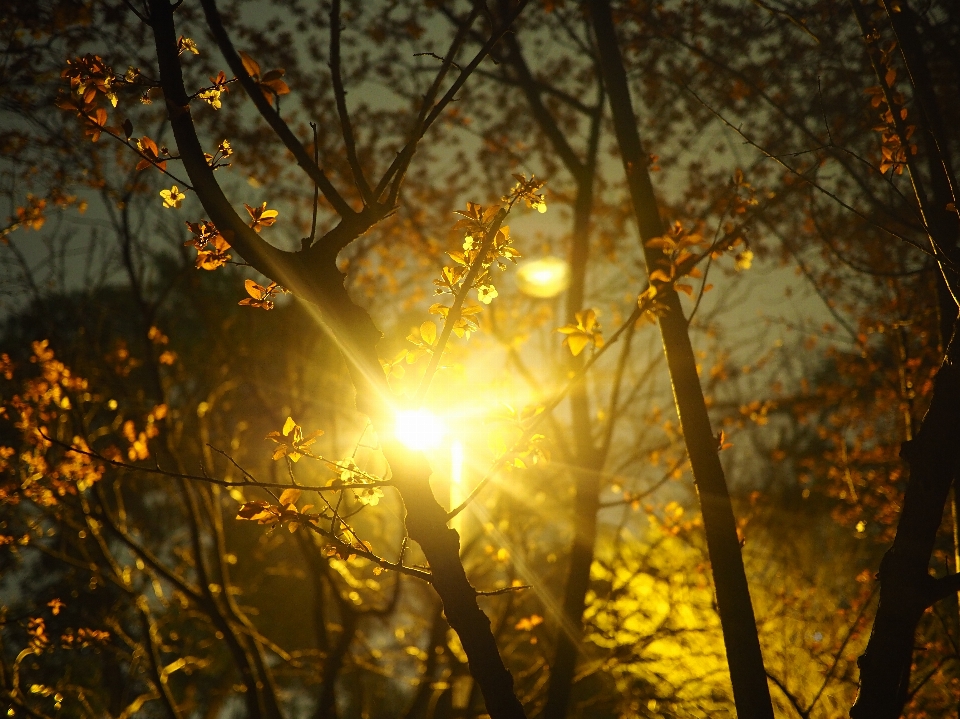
column 747, row 674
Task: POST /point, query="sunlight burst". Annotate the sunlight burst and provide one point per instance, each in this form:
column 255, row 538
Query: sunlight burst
column 419, row 429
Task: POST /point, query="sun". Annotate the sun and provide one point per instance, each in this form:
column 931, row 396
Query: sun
column 419, row 429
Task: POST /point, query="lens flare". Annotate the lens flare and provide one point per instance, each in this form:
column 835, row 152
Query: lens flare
column 419, row 429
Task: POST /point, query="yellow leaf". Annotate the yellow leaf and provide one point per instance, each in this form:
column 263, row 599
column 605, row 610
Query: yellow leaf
column 289, row 496
column 428, row 332
column 576, row 342
column 289, row 425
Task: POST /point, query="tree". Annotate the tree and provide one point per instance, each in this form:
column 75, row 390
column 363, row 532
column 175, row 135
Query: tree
column 597, row 598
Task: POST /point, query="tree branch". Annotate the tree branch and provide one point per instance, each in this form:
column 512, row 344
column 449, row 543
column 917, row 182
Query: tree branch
column 268, row 112
column 346, row 127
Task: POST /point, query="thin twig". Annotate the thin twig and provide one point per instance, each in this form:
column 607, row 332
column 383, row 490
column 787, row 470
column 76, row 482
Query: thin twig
column 346, row 127
column 453, row 314
column 503, row 590
column 437, row 57
column 316, row 187
column 213, row 480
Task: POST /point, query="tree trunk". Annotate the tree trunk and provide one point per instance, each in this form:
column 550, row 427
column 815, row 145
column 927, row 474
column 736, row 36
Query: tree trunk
column 587, row 460
column 585, row 469
column 747, row 674
column 906, row 587
column 327, row 704
column 421, row 698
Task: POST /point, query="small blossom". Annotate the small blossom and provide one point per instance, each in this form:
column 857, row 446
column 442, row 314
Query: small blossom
column 172, row 197
column 212, row 97
column 261, row 216
column 185, row 44
column 486, row 293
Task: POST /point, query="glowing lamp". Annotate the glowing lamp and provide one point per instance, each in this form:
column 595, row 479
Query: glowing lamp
column 544, row 278
column 419, row 429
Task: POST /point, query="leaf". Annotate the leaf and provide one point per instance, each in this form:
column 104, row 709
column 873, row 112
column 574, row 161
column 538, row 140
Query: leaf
column 576, row 342
column 250, row 65
column 289, row 425
column 248, row 510
column 289, row 496
column 428, row 332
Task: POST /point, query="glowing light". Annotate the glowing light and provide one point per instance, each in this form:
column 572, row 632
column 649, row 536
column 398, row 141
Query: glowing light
column 544, row 278
column 457, row 493
column 419, row 429
column 456, row 462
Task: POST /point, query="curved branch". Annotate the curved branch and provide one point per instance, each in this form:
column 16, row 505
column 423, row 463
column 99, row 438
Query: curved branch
column 269, row 114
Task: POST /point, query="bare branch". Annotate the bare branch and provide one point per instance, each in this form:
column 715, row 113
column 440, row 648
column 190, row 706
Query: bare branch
column 346, row 127
column 268, row 112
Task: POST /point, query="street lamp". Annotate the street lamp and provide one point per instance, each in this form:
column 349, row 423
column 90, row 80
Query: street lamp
column 543, row 278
